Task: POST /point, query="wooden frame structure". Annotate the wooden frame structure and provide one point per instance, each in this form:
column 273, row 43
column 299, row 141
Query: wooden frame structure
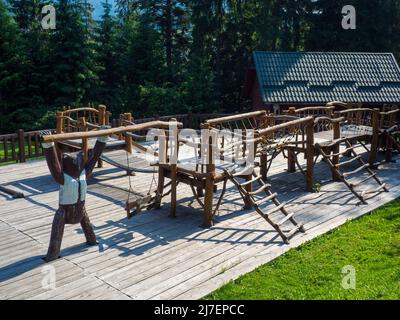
column 259, row 120
column 365, row 122
column 349, row 127
column 294, row 132
column 92, row 119
column 59, row 137
column 245, row 121
column 80, row 120
column 390, row 131
column 128, row 132
column 206, row 177
column 362, row 127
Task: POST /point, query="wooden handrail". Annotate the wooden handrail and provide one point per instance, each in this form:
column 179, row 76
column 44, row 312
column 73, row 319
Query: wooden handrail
column 236, row 117
column 388, row 113
column 327, row 108
column 355, row 110
column 337, row 103
column 108, row 132
column 80, row 109
column 283, row 117
column 332, row 120
column 288, row 124
column 68, row 118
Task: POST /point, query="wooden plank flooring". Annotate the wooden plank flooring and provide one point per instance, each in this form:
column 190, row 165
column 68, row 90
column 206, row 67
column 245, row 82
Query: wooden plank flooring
column 152, row 256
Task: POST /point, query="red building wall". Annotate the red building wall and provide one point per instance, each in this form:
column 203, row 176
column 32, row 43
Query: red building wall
column 256, row 98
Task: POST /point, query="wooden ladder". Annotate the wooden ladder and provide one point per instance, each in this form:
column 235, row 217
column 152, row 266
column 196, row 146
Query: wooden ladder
column 345, row 176
column 264, row 188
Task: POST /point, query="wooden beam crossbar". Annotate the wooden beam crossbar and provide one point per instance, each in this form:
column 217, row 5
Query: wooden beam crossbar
column 108, row 132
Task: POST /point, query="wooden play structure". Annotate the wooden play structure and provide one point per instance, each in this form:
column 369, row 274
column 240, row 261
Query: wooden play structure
column 127, row 132
column 389, row 131
column 207, row 172
column 92, row 119
column 81, row 120
column 222, row 155
column 226, row 152
column 266, row 151
column 349, row 128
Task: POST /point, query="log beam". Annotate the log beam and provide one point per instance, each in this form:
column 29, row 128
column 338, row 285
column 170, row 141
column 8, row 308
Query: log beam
column 108, row 132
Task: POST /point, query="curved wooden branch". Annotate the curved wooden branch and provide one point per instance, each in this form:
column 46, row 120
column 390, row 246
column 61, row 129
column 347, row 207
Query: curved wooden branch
column 236, row 117
column 108, row 132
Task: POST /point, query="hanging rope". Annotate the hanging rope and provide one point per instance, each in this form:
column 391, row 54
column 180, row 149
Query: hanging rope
column 130, row 189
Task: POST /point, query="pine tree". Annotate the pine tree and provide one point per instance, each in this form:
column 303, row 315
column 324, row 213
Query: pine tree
column 35, row 44
column 24, row 12
column 12, row 67
column 73, row 66
column 139, row 60
column 107, row 58
column 197, row 88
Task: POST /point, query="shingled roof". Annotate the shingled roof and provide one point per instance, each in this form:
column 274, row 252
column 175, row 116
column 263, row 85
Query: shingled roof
column 315, row 77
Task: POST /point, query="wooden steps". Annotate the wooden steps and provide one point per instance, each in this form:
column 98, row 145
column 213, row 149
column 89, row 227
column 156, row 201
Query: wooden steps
column 343, row 176
column 249, row 197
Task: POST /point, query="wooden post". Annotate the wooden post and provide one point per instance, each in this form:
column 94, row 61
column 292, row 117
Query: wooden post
column 160, row 187
column 330, row 112
column 310, row 155
column 173, row 190
column 21, row 145
column 389, row 148
column 5, row 143
column 200, row 186
column 174, row 146
column 161, row 171
column 263, row 157
column 60, row 122
column 292, row 111
column 386, row 137
column 336, row 147
column 375, row 138
column 209, row 188
column 102, row 115
column 102, row 122
column 108, row 115
column 249, row 188
column 85, row 144
column 128, row 139
column 291, row 160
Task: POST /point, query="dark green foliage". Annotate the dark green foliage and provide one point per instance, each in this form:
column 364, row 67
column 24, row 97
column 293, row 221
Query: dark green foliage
column 72, row 56
column 107, row 58
column 12, row 67
column 165, row 56
column 378, row 25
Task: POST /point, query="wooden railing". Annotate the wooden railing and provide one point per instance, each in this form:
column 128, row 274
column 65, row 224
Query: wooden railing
column 189, row 120
column 70, row 120
column 22, row 146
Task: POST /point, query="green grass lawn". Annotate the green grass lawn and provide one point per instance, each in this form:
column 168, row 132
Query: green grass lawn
column 370, row 244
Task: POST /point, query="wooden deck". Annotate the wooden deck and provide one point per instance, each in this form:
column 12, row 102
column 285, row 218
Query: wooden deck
column 152, row 256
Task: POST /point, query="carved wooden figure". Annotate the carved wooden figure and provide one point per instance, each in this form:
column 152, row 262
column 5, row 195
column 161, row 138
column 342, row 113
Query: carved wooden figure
column 70, row 172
